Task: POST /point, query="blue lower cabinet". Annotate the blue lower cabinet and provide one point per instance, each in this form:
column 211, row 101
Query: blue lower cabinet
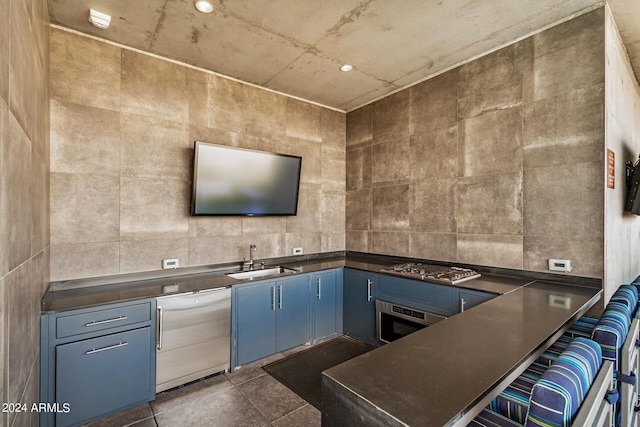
column 432, row 297
column 96, row 361
column 292, row 314
column 270, row 316
column 256, row 321
column 101, row 375
column 326, row 303
column 359, row 295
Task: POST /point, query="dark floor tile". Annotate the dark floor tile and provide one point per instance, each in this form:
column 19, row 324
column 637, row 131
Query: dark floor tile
column 307, row 416
column 228, row 407
column 147, row 422
column 271, row 397
column 124, row 418
column 252, row 370
column 171, row 399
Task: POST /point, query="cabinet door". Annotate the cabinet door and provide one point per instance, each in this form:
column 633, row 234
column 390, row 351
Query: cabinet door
column 100, row 375
column 292, row 314
column 324, row 292
column 435, row 298
column 359, row 305
column 470, row 299
column 256, row 319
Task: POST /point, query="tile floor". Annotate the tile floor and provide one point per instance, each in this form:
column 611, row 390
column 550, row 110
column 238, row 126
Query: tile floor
column 249, row 397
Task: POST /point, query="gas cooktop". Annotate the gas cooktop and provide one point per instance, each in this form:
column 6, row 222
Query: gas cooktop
column 433, row 273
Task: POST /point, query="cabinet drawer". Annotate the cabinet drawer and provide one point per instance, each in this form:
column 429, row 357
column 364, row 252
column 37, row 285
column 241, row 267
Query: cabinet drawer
column 97, row 376
column 99, row 320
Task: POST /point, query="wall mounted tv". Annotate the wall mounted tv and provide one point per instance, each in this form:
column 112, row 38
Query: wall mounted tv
column 632, row 203
column 237, row 181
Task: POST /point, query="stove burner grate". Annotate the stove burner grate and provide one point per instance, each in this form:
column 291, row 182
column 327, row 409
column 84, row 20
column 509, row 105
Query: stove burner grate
column 433, row 273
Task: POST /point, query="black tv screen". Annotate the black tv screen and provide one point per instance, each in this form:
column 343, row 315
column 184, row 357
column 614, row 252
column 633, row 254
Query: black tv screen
column 632, row 203
column 237, row 181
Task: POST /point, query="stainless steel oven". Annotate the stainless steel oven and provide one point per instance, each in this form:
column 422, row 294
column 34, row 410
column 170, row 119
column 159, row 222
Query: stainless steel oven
column 394, row 321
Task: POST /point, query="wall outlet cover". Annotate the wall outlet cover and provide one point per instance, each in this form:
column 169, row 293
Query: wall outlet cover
column 297, row 251
column 170, row 263
column 560, row 265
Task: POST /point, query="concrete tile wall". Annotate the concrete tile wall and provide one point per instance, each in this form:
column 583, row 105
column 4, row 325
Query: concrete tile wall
column 497, row 162
column 122, row 131
column 622, row 124
column 24, row 199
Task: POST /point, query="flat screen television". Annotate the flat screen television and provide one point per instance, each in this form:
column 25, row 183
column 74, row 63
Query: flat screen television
column 632, row 203
column 238, row 181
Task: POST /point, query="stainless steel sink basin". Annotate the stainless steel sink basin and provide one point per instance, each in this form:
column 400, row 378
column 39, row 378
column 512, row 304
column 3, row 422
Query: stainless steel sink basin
column 263, row 272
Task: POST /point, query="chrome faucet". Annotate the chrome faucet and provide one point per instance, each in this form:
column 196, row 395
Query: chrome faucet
column 252, row 249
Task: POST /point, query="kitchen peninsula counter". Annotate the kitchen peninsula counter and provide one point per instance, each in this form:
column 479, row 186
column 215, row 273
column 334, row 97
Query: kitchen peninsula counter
column 444, row 374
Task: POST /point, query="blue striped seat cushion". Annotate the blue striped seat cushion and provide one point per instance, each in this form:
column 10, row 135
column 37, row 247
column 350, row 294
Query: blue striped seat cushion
column 627, row 295
column 553, row 352
column 556, row 397
column 583, row 327
column 488, row 418
column 611, row 331
column 513, row 402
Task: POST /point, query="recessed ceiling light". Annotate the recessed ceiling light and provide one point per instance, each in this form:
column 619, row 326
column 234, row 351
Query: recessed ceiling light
column 346, row 67
column 99, row 19
column 204, row 6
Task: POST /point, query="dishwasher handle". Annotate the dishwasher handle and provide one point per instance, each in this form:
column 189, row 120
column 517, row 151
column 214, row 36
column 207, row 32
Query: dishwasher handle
column 160, row 325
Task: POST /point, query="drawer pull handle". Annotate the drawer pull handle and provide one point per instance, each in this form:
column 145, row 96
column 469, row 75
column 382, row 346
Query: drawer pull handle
column 102, row 322
column 111, row 347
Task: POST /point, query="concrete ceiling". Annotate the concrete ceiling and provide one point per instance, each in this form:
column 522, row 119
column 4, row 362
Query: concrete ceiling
column 297, row 46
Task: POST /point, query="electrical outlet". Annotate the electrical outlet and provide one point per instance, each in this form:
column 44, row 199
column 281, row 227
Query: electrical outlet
column 560, row 265
column 561, row 301
column 297, row 251
column 170, row 263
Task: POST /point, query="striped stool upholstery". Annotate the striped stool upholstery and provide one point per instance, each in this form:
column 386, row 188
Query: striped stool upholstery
column 488, row 418
column 583, row 327
column 628, row 296
column 554, row 351
column 556, row 397
column 513, row 402
column 611, row 331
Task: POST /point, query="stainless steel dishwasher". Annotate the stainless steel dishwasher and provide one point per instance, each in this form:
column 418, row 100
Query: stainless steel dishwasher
column 193, row 337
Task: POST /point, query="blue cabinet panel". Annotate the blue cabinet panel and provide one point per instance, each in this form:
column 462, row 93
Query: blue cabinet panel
column 101, row 320
column 469, row 298
column 292, row 314
column 100, row 375
column 106, row 367
column 270, row 316
column 438, row 299
column 359, row 294
column 256, row 321
column 326, row 297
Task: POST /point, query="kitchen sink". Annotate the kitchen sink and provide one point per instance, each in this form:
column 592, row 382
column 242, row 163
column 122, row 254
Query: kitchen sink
column 263, row 272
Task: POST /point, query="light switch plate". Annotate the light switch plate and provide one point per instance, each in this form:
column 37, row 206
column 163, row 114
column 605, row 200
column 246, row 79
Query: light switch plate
column 297, row 251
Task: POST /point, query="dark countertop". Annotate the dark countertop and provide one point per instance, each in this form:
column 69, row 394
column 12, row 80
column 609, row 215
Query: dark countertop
column 99, row 291
column 434, row 376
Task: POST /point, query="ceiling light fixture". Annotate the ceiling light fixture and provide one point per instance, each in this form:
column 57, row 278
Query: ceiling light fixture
column 99, row 19
column 346, row 67
column 204, row 6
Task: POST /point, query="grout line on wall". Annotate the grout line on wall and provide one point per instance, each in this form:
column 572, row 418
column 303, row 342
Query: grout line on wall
column 184, row 64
